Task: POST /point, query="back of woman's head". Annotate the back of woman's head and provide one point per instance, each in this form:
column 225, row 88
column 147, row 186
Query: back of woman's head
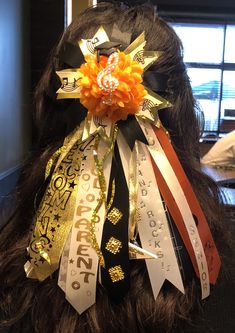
column 46, row 307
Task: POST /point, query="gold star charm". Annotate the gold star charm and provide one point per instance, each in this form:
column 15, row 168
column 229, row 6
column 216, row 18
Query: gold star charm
column 113, row 245
column 114, row 216
column 116, row 273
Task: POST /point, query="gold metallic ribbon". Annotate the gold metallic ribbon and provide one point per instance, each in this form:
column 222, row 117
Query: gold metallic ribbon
column 54, row 217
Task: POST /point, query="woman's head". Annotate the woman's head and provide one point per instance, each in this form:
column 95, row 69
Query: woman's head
column 46, row 304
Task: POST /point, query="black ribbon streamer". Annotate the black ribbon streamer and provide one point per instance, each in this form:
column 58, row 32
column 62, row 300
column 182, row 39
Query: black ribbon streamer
column 131, row 131
column 185, row 264
column 117, row 290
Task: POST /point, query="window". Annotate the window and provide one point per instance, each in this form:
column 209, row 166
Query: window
column 209, row 53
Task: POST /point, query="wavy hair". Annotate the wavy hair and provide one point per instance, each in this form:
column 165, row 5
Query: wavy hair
column 27, row 305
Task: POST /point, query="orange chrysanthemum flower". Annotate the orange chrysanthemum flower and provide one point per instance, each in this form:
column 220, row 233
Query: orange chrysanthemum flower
column 127, row 96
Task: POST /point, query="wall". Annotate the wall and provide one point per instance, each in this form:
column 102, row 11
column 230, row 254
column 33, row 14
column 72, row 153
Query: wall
column 14, row 97
column 46, row 27
column 28, row 31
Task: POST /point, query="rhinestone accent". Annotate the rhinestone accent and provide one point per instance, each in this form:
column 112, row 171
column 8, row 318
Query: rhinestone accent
column 114, row 216
column 106, row 81
column 113, row 245
column 116, row 273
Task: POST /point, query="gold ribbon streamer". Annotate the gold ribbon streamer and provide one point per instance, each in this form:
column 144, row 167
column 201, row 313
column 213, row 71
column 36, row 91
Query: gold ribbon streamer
column 133, row 191
column 54, row 218
column 99, row 163
column 52, row 160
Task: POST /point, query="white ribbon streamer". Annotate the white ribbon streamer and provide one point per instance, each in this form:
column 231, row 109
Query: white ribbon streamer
column 83, row 260
column 168, row 173
column 153, row 228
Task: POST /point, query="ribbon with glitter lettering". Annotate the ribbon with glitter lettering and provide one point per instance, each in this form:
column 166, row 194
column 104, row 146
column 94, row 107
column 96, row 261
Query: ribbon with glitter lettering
column 53, row 220
column 168, row 174
column 83, row 259
column 153, row 227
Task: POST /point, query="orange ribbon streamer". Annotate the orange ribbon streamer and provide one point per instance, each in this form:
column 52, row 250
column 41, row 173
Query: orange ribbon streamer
column 212, row 256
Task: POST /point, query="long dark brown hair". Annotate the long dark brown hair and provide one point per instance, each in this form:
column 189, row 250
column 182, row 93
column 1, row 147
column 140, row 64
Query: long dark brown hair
column 29, row 306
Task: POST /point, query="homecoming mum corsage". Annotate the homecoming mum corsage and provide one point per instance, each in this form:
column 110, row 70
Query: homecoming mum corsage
column 117, row 190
